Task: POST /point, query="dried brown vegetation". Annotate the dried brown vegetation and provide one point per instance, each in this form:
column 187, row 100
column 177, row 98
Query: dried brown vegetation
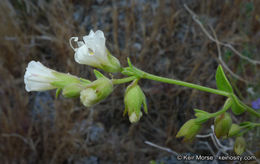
column 159, row 36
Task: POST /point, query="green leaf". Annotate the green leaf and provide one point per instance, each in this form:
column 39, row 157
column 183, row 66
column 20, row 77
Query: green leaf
column 129, row 62
column 237, row 106
column 202, row 116
column 98, row 74
column 199, row 113
column 222, row 81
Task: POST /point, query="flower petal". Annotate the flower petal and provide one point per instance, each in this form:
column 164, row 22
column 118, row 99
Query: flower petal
column 38, row 77
column 82, row 56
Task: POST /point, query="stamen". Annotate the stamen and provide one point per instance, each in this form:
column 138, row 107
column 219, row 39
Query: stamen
column 75, row 39
column 91, row 52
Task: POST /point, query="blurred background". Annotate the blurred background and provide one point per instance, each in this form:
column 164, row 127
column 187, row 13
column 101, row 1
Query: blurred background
column 160, row 37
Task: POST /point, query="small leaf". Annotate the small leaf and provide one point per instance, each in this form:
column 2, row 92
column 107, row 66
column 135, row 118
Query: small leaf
column 201, row 120
column 98, row 74
column 58, row 92
column 127, row 71
column 202, row 116
column 84, row 81
column 222, row 81
column 129, row 62
column 237, row 107
column 199, row 113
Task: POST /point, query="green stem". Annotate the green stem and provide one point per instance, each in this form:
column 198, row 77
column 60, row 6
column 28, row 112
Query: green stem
column 149, row 76
column 227, row 105
column 256, row 124
column 124, row 80
column 252, row 111
column 141, row 74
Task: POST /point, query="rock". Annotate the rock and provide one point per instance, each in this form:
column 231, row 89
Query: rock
column 86, row 160
column 43, row 107
column 93, row 133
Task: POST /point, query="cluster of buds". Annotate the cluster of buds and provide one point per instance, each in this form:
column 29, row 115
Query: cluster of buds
column 40, row 78
column 91, row 51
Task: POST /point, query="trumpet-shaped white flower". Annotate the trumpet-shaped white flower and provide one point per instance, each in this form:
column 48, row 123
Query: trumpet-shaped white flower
column 38, row 77
column 92, row 51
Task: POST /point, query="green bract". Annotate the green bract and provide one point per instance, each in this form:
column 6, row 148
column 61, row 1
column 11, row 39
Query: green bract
column 237, row 106
column 202, row 116
column 113, row 65
column 189, row 130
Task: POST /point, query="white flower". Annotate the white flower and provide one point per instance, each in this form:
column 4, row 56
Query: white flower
column 133, row 117
column 88, row 97
column 92, row 51
column 38, row 77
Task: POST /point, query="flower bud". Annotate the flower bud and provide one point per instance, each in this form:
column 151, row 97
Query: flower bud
column 234, row 130
column 240, row 145
column 92, row 51
column 222, row 125
column 134, row 99
column 96, row 91
column 189, row 130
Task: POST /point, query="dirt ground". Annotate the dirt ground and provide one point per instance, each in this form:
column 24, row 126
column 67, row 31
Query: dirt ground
column 160, row 37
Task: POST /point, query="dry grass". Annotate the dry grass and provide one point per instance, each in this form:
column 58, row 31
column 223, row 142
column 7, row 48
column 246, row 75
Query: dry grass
column 160, row 37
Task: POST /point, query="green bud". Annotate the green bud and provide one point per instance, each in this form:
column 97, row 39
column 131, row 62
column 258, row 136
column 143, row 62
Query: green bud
column 189, row 130
column 240, row 145
column 234, row 130
column 222, row 124
column 96, row 91
column 134, row 99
